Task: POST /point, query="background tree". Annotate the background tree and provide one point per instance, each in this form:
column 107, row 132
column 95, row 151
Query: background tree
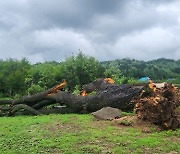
column 20, row 77
column 80, row 70
column 13, row 74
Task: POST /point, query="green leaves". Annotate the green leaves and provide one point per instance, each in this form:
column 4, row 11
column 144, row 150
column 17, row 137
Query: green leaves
column 34, row 89
column 20, row 77
column 160, row 69
column 12, row 76
column 80, row 70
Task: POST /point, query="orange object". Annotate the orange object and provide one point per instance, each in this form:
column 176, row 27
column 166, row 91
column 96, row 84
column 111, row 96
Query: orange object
column 109, row 80
column 58, row 87
column 84, row 93
column 151, row 85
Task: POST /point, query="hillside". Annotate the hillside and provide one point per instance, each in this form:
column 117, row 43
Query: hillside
column 159, row 69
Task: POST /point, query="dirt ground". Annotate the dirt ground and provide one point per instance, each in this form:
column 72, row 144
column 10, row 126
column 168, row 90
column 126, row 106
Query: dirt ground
column 135, row 122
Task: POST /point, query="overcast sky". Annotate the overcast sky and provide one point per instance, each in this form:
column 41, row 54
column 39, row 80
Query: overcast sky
column 52, row 30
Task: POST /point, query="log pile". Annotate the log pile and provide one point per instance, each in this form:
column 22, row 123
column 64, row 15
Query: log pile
column 160, row 107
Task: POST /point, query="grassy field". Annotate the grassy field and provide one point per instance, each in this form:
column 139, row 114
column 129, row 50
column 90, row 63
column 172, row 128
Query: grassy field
column 81, row 134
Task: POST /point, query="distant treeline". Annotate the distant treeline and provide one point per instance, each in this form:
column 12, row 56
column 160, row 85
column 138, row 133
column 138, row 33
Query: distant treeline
column 19, row 77
column 160, row 69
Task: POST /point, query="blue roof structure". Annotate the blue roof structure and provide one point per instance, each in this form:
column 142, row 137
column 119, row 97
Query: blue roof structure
column 143, row 79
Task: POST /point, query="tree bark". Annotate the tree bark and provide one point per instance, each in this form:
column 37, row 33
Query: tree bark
column 105, row 94
column 24, row 107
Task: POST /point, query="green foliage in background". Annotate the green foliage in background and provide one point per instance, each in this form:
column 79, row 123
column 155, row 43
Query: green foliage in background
column 157, row 70
column 12, row 76
column 19, row 77
column 34, row 89
column 80, row 70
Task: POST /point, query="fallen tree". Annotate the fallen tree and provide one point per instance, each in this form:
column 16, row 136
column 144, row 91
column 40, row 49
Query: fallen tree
column 105, row 93
column 155, row 103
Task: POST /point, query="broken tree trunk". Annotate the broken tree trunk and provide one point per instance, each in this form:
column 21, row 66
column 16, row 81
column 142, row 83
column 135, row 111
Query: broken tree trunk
column 106, row 93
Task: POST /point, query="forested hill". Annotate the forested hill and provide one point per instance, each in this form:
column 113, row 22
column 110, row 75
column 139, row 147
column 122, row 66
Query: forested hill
column 159, row 69
column 20, row 77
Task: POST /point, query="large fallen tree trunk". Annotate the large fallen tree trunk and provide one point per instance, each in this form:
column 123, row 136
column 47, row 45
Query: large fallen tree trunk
column 105, row 93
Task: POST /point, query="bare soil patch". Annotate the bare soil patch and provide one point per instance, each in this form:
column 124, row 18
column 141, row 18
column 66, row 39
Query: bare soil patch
column 135, row 122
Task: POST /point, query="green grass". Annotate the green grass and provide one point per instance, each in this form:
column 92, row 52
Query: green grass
column 127, row 113
column 81, row 134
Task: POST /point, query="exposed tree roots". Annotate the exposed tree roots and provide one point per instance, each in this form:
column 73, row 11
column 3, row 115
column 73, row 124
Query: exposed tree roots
column 160, row 107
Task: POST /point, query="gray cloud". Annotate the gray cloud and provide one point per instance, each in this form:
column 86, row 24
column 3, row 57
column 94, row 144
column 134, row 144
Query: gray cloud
column 109, row 29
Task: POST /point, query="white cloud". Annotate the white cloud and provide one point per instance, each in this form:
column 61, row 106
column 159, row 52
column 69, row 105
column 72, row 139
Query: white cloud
column 149, row 44
column 56, row 44
column 53, row 30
